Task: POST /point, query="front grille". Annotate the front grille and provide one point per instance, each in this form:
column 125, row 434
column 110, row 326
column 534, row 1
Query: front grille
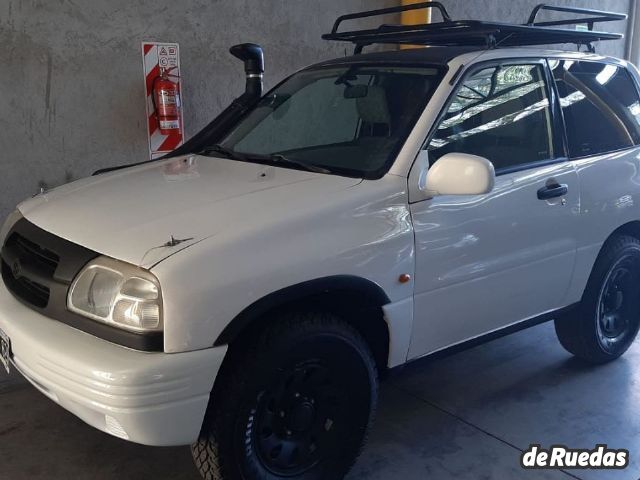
column 33, row 252
column 38, row 267
column 29, row 291
column 27, row 269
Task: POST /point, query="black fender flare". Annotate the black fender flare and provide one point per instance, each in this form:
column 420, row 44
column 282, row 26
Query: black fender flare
column 371, row 292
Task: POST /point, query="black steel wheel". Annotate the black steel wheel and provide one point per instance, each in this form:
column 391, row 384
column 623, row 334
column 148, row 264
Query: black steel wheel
column 619, row 304
column 607, row 320
column 296, row 420
column 295, row 402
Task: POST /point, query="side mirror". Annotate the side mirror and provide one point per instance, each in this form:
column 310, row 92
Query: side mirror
column 460, row 174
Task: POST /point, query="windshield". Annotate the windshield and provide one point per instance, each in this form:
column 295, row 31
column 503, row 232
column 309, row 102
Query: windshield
column 348, row 120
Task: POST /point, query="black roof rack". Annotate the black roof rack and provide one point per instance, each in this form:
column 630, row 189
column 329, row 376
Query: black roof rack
column 478, row 33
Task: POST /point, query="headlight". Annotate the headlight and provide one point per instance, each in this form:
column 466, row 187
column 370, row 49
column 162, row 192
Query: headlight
column 8, row 224
column 118, row 294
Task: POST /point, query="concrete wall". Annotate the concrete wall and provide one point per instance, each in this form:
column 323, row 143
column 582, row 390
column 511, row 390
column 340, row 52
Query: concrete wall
column 72, row 84
column 72, row 89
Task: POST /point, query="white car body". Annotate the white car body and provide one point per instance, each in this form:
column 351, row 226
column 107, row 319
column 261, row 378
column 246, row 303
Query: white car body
column 254, row 230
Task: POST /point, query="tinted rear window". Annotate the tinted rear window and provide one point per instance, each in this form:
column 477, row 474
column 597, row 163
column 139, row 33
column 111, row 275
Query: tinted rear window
column 600, row 105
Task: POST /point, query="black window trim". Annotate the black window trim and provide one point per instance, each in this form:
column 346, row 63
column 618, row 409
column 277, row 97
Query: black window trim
column 606, row 61
column 558, row 128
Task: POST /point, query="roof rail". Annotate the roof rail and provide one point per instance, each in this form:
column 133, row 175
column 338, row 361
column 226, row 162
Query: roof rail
column 477, row 33
column 386, row 11
column 596, row 16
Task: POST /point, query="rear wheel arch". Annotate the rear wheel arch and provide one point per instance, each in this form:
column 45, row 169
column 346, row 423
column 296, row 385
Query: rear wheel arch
column 358, row 301
column 631, row 229
column 606, row 321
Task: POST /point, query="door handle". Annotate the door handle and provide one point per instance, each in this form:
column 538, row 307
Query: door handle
column 552, row 191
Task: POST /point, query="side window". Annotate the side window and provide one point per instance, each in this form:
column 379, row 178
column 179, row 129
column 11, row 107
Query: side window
column 600, row 105
column 501, row 113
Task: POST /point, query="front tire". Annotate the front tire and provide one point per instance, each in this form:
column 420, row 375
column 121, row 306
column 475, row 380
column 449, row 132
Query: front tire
column 608, row 317
column 295, row 401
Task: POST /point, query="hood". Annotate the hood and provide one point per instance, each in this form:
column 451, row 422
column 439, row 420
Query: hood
column 133, row 214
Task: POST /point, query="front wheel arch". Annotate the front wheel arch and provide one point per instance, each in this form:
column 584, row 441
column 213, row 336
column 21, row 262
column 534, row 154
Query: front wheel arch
column 357, row 300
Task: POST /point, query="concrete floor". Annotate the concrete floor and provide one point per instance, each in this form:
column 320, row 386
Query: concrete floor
column 467, row 416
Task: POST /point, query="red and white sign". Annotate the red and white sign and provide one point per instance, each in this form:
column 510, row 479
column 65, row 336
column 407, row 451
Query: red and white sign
column 157, row 55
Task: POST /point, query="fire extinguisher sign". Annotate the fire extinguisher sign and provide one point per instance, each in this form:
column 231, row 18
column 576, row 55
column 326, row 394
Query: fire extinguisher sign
column 165, row 125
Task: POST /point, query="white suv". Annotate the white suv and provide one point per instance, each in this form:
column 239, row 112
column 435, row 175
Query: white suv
column 368, row 211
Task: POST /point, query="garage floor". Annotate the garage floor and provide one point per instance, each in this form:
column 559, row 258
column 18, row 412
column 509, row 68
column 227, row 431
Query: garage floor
column 467, row 416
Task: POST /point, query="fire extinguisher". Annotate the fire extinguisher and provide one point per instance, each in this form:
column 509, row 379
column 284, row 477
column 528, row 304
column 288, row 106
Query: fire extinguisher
column 166, row 101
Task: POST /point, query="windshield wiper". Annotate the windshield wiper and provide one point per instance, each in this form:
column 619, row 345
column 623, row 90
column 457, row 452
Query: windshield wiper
column 279, row 158
column 276, row 158
column 227, row 152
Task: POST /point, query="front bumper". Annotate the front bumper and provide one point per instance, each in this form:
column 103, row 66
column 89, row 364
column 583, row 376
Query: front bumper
column 149, row 398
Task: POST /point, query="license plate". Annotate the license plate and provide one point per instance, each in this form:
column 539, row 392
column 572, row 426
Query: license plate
column 5, row 351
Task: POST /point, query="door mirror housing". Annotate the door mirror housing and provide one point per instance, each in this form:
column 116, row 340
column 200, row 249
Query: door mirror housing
column 459, row 174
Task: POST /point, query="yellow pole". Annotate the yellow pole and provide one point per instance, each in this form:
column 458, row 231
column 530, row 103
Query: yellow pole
column 414, row 17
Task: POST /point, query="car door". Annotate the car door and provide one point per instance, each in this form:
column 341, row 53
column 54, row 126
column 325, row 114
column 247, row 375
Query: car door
column 487, row 261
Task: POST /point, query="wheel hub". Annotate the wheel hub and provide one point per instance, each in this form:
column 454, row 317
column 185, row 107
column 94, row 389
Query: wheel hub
column 302, row 416
column 295, row 420
column 618, row 304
